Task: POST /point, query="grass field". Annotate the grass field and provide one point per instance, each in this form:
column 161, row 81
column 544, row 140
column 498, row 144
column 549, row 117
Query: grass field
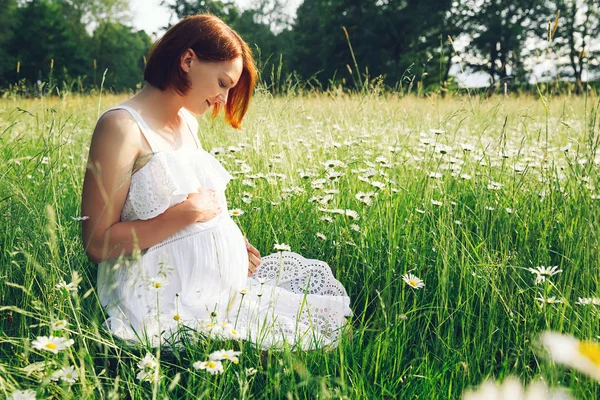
column 466, row 194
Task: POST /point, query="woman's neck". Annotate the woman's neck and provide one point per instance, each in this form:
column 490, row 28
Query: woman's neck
column 160, row 107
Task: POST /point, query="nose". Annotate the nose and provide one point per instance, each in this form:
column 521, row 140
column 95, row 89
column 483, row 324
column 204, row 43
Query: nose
column 222, row 98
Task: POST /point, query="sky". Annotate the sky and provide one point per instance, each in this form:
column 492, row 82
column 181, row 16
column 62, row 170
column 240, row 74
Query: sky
column 151, row 17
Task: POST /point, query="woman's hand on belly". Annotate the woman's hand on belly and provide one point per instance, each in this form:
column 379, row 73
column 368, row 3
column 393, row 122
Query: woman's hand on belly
column 253, row 258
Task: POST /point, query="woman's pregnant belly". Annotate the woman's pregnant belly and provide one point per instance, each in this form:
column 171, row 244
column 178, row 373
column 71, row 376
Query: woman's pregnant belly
column 207, row 263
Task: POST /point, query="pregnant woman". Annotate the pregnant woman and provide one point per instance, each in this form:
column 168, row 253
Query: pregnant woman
column 169, row 255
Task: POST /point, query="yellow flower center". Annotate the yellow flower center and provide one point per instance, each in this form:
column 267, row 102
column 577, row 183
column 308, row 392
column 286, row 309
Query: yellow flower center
column 157, row 285
column 234, row 332
column 69, row 376
column 211, row 364
column 177, row 317
column 51, row 346
column 412, row 282
column 591, row 351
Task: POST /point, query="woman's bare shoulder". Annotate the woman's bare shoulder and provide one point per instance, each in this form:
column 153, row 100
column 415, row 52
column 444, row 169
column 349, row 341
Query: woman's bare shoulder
column 116, row 123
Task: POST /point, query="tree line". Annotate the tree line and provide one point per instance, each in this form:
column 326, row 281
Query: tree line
column 394, row 44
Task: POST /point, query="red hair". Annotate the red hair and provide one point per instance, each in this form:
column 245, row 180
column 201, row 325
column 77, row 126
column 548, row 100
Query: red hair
column 212, row 40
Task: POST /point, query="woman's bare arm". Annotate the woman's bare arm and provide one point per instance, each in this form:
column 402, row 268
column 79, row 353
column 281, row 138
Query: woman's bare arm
column 115, row 146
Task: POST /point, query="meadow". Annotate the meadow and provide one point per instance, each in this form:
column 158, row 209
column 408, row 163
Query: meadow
column 472, row 196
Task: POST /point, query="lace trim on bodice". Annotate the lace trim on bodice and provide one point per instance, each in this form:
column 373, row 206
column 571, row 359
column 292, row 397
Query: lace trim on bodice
column 167, row 179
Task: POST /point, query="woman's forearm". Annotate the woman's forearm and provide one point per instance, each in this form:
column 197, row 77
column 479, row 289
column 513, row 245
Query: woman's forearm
column 123, row 238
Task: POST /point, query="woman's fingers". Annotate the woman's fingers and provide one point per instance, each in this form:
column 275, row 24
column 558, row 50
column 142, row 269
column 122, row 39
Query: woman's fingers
column 253, row 259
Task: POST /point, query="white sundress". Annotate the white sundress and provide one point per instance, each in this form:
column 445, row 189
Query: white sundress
column 197, row 278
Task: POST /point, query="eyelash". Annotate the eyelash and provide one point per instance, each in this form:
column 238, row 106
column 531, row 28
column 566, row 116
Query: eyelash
column 221, row 84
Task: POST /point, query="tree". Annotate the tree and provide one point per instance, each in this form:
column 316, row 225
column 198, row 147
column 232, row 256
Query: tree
column 48, row 47
column 226, row 10
column 8, row 23
column 388, row 37
column 121, row 51
column 576, row 41
column 498, row 31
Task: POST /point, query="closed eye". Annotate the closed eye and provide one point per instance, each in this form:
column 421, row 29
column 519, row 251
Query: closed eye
column 221, row 83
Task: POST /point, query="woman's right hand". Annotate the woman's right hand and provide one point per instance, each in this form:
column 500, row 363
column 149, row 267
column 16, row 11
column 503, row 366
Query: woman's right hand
column 203, row 204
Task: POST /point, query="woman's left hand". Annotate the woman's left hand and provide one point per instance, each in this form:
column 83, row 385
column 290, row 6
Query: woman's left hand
column 253, row 258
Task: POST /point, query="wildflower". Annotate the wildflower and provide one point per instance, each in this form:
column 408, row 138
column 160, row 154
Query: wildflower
column 513, row 389
column 412, row 281
column 334, row 163
column 318, row 183
column 250, row 371
column 548, row 300
column 51, row 343
column 211, row 328
column 321, row 236
column 466, row 177
column 158, row 282
column 378, row 185
column 326, row 218
column 543, row 272
column 214, row 367
column 366, row 198
column 436, row 202
column 355, row 227
column 59, row 325
column 435, row 175
column 66, row 374
column 509, row 210
column 223, row 354
column 437, row 131
column 236, row 212
column 586, row 301
column 231, row 334
column 333, row 175
column 82, row 218
column 147, row 368
column 420, row 211
column 494, row 185
column 248, row 182
column 583, row 355
column 352, row 214
column 22, row 395
column 282, row 247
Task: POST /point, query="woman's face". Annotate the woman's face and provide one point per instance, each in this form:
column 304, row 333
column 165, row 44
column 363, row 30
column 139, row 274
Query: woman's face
column 210, row 81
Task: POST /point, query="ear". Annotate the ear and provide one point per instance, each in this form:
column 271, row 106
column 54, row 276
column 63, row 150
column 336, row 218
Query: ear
column 186, row 60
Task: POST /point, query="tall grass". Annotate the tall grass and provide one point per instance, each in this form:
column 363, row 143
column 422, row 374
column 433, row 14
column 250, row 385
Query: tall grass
column 471, row 193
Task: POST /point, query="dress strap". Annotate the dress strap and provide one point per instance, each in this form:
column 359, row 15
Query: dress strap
column 186, row 116
column 146, row 131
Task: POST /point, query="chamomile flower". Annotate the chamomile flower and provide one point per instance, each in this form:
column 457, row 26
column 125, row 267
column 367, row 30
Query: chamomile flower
column 412, row 281
column 59, row 325
column 66, row 374
column 321, row 236
column 147, row 368
column 213, row 367
column 158, row 282
column 582, row 355
column 236, row 212
column 282, row 247
column 223, row 354
column 513, row 389
column 22, row 395
column 543, row 272
column 51, row 343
